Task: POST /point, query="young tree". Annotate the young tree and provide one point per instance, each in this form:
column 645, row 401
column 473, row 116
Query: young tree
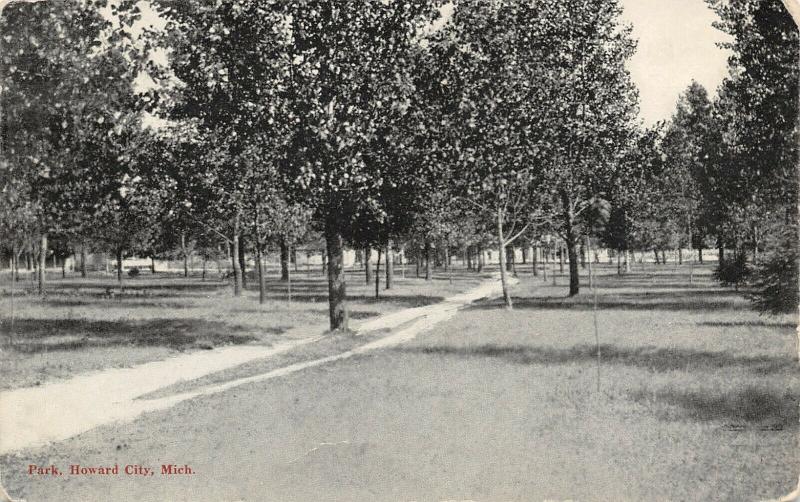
column 593, row 105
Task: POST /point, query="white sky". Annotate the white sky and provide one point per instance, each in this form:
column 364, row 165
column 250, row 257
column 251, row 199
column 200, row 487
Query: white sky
column 676, row 45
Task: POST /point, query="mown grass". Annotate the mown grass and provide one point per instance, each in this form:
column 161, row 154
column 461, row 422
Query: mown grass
column 90, row 324
column 694, row 397
column 698, row 394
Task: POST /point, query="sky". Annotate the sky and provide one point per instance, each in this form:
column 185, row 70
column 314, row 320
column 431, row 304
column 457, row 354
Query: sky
column 677, row 43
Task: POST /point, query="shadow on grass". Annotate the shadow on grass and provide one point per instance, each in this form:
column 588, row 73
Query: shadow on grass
column 648, row 358
column 135, row 285
column 98, row 289
column 119, row 302
column 702, row 300
column 750, row 405
column 753, row 324
column 98, row 293
column 37, row 335
column 645, row 284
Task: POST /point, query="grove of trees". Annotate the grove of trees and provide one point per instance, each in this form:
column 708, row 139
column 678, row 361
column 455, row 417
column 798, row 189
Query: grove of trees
column 243, row 127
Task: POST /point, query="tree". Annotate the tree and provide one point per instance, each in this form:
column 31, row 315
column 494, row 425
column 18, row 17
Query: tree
column 68, row 82
column 349, row 75
column 759, row 148
column 17, row 214
column 125, row 214
column 489, row 79
column 231, row 62
column 279, row 222
column 688, row 149
column 591, row 112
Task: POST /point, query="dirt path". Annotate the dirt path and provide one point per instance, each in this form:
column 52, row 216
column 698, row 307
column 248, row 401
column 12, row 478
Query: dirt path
column 35, row 416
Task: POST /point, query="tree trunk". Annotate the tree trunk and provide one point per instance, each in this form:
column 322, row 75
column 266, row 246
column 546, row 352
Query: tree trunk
column 152, row 265
column 721, row 253
column 43, row 266
column 64, row 268
column 545, row 263
column 203, row 277
column 119, row 266
column 509, row 250
column 572, row 243
column 289, row 280
column 619, row 262
column 367, row 264
column 524, row 255
column 503, row 271
column 428, row 261
column 655, row 252
column 83, row 260
column 628, row 259
column 185, row 255
column 535, row 260
column 663, row 257
column 337, row 287
column 417, row 260
column 583, row 256
column 574, row 277
column 378, row 274
column 284, row 261
column 700, row 255
column 237, row 270
column 588, row 248
column 243, row 262
column 450, row 273
column 480, row 258
column 389, row 265
column 262, row 285
column 469, row 258
column 293, row 254
column 680, row 256
column 14, row 266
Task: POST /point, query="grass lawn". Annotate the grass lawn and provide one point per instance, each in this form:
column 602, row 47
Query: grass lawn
column 698, row 400
column 88, row 324
column 698, row 395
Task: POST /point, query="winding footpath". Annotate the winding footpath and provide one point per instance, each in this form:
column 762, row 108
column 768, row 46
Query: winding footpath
column 35, row 416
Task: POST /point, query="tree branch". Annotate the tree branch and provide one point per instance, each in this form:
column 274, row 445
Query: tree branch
column 512, row 239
